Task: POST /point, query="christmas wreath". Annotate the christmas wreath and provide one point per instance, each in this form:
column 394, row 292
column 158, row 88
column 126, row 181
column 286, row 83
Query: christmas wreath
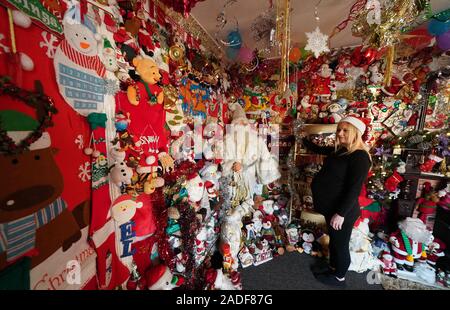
column 45, row 109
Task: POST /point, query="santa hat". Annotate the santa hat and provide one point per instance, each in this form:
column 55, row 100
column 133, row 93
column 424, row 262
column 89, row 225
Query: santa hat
column 445, row 202
column 394, row 88
column 356, row 122
column 158, row 274
column 192, row 176
column 19, row 126
column 238, row 114
column 209, row 184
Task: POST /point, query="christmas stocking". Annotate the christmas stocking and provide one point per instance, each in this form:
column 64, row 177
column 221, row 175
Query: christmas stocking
column 110, row 271
column 428, row 165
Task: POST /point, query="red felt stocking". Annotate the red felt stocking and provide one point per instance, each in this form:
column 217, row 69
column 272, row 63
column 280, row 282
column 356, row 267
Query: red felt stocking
column 110, row 271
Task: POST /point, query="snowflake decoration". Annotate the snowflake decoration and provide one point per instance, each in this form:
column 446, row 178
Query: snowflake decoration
column 79, row 141
column 48, row 42
column 317, row 42
column 111, row 87
column 85, row 171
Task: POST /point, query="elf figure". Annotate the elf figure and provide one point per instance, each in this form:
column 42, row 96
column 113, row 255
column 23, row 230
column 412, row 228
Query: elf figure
column 79, row 71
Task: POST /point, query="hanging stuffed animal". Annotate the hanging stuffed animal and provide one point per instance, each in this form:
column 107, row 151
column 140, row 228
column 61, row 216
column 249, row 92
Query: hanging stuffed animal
column 79, row 71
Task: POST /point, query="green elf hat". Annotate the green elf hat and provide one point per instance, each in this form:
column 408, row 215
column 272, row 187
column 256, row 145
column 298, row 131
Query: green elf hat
column 106, row 43
column 19, row 126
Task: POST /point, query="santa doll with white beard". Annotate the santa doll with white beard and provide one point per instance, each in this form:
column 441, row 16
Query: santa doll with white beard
column 246, row 157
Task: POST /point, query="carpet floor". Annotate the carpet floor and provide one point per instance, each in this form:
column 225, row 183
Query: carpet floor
column 291, row 271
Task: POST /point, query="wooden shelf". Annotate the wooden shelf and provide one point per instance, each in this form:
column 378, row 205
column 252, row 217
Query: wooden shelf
column 319, row 128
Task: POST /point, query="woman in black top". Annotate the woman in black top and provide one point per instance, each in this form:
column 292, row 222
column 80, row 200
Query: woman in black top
column 336, row 188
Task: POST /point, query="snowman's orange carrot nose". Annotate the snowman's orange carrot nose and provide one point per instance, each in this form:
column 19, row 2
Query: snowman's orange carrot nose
column 84, row 45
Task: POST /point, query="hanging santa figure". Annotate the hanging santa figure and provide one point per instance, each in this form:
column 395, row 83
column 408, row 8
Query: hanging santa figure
column 322, row 83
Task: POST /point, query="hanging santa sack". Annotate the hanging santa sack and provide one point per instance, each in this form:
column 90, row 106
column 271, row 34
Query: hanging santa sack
column 79, row 71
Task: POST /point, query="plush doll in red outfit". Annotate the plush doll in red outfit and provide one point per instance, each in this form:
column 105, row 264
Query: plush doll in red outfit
column 322, row 82
column 146, row 91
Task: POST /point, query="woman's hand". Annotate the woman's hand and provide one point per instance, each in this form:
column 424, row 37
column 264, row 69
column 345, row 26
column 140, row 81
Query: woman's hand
column 336, row 222
column 237, row 167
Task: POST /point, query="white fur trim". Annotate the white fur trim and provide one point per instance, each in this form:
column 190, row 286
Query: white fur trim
column 359, row 124
column 43, row 142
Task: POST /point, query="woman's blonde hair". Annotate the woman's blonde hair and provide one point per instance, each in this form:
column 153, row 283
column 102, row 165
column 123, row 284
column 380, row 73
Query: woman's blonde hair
column 356, row 141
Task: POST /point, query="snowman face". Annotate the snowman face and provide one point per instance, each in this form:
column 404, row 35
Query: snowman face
column 81, row 38
column 109, row 59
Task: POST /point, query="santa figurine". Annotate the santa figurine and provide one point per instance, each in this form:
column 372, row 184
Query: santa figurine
column 322, row 82
column 195, row 187
column 435, row 250
column 389, row 266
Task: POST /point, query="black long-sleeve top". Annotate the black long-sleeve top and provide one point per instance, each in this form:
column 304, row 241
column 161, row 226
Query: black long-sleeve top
column 336, row 187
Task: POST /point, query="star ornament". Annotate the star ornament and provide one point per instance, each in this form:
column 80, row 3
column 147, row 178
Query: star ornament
column 317, row 42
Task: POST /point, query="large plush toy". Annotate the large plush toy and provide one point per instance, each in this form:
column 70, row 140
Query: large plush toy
column 409, row 241
column 147, row 117
column 79, row 71
column 146, row 91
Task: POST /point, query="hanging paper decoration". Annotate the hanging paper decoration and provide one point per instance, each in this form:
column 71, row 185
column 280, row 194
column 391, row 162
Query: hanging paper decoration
column 317, row 42
column 79, row 71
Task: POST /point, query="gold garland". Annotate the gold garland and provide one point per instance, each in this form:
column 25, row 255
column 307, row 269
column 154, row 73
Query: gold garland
column 283, row 37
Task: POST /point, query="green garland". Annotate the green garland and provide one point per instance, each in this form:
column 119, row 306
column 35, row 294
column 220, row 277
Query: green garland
column 44, row 107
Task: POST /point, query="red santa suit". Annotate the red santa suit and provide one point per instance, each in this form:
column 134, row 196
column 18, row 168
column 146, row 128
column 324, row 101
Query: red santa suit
column 401, row 256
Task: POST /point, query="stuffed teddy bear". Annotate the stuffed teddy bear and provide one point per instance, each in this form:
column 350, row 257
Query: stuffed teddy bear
column 146, row 91
column 308, row 244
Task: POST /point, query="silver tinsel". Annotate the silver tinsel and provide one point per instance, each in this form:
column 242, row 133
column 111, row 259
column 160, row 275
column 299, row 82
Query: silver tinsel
column 262, row 26
column 298, row 126
column 424, row 146
column 415, row 139
column 224, row 186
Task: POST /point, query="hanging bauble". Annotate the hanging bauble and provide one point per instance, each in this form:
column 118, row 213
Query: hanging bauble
column 419, row 39
column 443, row 41
column 245, row 55
column 234, row 40
column 88, row 151
column 437, row 28
column 26, row 62
column 232, row 53
column 295, row 54
column 21, row 19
